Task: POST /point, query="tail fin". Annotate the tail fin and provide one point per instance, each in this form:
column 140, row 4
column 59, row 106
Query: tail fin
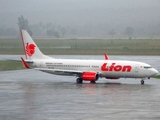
column 31, row 50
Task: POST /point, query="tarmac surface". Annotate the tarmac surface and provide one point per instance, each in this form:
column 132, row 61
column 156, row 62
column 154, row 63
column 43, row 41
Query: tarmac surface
column 34, row 95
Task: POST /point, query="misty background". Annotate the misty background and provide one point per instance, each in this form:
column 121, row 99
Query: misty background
column 82, row 18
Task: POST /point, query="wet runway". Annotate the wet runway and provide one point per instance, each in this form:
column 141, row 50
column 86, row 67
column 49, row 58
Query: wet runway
column 34, row 95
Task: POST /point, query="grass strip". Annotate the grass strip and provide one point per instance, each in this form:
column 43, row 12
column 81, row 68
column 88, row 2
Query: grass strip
column 6, row 65
column 157, row 76
column 86, row 46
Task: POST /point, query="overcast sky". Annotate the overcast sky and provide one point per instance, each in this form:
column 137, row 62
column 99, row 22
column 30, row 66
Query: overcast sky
column 81, row 12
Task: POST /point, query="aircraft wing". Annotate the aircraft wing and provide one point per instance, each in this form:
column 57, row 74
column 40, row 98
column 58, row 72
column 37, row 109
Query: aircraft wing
column 60, row 71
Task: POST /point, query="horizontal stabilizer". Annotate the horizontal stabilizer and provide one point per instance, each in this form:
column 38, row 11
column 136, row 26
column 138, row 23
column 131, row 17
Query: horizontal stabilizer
column 25, row 63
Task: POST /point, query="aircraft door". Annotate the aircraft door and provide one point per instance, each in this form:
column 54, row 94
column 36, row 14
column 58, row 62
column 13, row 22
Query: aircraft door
column 41, row 64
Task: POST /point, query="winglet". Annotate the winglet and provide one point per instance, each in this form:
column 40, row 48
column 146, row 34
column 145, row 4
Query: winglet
column 25, row 64
column 106, row 56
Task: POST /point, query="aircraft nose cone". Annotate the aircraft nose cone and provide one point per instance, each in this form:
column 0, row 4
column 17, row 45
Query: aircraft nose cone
column 154, row 72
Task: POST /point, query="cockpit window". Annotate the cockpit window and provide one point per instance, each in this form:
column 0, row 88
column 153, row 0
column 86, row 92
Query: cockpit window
column 147, row 67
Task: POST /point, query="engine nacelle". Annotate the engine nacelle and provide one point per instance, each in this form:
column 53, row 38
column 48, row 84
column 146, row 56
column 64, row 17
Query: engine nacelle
column 90, row 76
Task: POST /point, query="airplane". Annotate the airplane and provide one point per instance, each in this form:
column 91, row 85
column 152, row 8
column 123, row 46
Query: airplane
column 84, row 70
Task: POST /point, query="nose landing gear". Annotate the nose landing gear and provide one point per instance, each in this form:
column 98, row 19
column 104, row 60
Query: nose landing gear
column 142, row 82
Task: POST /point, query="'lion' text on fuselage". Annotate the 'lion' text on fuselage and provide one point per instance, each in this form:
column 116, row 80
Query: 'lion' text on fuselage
column 116, row 68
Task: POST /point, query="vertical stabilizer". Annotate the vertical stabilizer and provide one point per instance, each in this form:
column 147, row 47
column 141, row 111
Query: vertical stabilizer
column 31, row 50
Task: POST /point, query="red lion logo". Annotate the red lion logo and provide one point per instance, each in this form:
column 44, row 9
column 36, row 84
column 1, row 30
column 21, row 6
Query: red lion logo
column 30, row 49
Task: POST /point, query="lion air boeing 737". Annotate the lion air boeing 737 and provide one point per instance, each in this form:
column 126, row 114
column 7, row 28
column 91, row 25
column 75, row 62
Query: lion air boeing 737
column 84, row 70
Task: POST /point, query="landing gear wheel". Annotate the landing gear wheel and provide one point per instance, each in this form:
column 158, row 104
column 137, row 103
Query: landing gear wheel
column 92, row 82
column 79, row 80
column 142, row 82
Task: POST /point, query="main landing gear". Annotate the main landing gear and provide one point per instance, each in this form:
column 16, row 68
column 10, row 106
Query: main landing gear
column 79, row 80
column 92, row 82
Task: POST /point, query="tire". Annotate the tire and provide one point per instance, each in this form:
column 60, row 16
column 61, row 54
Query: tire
column 79, row 80
column 92, row 82
column 142, row 82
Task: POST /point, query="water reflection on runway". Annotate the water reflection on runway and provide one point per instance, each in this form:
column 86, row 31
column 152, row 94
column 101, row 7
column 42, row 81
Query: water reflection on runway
column 27, row 97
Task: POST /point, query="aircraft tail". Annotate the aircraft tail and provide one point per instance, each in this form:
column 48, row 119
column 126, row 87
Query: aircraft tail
column 31, row 50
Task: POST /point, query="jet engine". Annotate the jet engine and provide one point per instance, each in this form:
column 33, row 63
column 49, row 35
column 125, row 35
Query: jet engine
column 90, row 76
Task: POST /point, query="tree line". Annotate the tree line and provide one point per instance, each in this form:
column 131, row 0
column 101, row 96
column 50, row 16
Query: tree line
column 58, row 31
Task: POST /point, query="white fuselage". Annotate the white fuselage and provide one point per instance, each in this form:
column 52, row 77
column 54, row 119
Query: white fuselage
column 106, row 68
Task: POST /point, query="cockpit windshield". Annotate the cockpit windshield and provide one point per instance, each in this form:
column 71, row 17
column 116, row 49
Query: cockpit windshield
column 147, row 67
